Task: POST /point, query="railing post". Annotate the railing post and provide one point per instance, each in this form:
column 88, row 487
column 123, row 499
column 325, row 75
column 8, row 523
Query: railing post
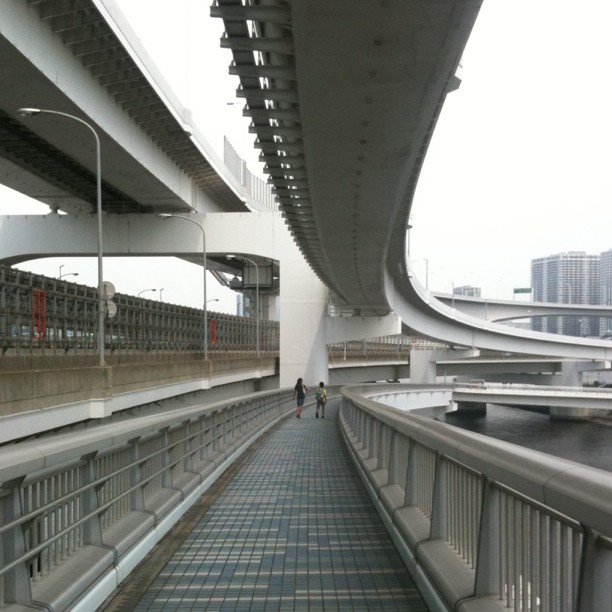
column 186, row 452
column 15, row 583
column 382, row 450
column 412, row 477
column 137, row 495
column 439, row 522
column 488, row 569
column 595, row 585
column 166, row 478
column 92, row 529
column 393, row 459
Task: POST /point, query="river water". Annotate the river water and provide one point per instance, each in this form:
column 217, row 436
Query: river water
column 589, row 443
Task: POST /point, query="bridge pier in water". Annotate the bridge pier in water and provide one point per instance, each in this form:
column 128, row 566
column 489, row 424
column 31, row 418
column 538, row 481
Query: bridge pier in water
column 571, row 376
column 565, row 413
column 472, row 408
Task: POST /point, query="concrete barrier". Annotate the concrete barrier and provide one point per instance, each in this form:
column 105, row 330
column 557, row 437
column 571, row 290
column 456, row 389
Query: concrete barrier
column 80, row 509
column 479, row 521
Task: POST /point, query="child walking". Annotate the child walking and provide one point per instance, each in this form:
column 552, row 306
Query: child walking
column 321, row 397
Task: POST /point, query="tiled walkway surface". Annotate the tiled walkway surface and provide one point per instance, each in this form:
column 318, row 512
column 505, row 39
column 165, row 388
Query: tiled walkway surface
column 293, row 530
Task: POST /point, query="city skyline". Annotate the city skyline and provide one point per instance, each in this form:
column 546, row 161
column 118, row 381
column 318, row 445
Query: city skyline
column 571, row 277
column 518, row 161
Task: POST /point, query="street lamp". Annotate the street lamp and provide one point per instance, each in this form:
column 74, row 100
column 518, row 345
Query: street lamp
column 66, row 273
column 168, row 216
column 213, row 300
column 256, row 295
column 161, row 292
column 144, row 291
column 30, row 112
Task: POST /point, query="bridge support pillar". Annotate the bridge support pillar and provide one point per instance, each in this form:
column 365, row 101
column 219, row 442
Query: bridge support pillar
column 571, row 376
column 472, row 407
column 303, row 311
column 564, row 413
column 422, row 367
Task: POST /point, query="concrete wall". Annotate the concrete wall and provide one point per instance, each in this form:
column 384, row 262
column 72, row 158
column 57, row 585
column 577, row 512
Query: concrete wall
column 36, row 400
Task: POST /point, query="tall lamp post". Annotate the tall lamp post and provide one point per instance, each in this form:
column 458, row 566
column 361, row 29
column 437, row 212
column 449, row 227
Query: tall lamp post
column 256, row 295
column 61, row 275
column 145, row 290
column 65, row 273
column 168, row 216
column 30, row 112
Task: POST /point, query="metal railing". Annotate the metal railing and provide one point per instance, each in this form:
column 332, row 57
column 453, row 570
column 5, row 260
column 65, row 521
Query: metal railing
column 394, row 347
column 262, row 198
column 70, row 499
column 38, row 312
column 484, row 520
column 41, row 312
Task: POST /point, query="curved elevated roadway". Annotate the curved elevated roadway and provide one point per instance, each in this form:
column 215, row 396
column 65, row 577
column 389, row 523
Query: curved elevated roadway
column 507, row 310
column 82, row 58
column 344, row 98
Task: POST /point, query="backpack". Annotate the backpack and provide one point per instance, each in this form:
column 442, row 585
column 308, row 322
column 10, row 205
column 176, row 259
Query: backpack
column 319, row 395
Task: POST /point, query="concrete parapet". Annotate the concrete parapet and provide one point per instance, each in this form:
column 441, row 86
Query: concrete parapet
column 446, row 497
column 61, row 383
column 137, row 376
column 24, row 391
column 128, row 498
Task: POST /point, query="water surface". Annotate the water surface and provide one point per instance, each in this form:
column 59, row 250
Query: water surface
column 589, row 443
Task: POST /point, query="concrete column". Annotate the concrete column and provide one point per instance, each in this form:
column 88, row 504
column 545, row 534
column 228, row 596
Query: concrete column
column 571, row 376
column 303, row 310
column 472, row 407
column 422, row 367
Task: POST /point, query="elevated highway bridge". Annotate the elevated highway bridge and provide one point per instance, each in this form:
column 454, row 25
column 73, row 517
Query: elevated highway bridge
column 509, row 310
column 343, row 120
column 366, row 136
column 290, row 64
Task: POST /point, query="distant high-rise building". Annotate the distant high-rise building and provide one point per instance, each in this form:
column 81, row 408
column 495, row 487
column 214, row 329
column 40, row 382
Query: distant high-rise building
column 605, row 273
column 566, row 278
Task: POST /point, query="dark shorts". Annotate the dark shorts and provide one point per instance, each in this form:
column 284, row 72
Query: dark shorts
column 300, row 401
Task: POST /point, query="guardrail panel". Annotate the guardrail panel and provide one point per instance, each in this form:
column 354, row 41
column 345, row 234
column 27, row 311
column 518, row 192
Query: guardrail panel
column 114, row 478
column 510, row 529
column 53, row 530
column 540, row 556
column 47, row 518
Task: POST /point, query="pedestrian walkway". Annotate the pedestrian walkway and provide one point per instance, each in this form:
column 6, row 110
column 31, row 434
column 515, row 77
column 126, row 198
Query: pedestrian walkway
column 294, row 529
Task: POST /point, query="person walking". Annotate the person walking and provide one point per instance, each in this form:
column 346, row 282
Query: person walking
column 321, row 397
column 299, row 392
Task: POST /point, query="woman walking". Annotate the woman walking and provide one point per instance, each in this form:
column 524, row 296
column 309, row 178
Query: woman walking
column 299, row 392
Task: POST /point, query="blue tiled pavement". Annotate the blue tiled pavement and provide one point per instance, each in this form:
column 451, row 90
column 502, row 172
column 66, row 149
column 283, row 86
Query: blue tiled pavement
column 293, row 530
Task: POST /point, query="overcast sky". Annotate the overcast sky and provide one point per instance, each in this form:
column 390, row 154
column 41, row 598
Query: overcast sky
column 518, row 167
